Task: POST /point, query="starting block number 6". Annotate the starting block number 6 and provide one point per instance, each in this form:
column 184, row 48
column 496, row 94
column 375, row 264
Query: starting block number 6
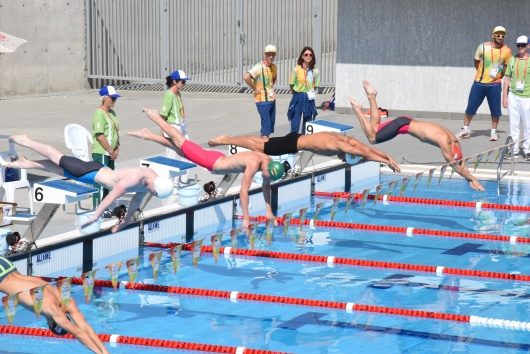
column 38, row 194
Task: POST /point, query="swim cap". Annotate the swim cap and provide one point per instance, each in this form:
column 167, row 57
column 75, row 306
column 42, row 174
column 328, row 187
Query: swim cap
column 276, row 170
column 163, row 187
column 457, row 153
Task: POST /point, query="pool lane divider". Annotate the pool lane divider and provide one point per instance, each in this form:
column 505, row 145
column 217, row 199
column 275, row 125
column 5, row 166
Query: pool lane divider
column 408, row 231
column 141, row 341
column 350, row 307
column 478, row 206
column 332, row 260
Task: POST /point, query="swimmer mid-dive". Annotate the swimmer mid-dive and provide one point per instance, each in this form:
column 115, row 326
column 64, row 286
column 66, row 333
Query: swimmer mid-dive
column 430, row 133
column 61, row 319
column 118, row 181
column 322, row 143
column 216, row 162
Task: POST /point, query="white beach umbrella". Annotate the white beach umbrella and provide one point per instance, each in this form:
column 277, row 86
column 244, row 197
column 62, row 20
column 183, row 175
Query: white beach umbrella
column 9, row 43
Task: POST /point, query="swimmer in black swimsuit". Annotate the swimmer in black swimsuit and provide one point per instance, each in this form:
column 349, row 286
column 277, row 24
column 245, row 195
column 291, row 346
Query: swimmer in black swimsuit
column 118, row 181
column 322, row 143
column 60, row 320
column 430, row 133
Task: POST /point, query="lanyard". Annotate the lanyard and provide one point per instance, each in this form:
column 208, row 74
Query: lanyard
column 500, row 54
column 517, row 68
column 263, row 80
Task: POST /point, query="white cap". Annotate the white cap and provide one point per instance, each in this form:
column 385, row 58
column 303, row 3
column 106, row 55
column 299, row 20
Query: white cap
column 522, row 40
column 499, row 29
column 270, row 49
column 163, row 187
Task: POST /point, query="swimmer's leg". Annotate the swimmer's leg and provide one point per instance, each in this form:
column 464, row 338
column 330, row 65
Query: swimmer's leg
column 254, row 143
column 366, row 125
column 45, row 150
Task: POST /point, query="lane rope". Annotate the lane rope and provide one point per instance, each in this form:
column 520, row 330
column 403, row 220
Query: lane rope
column 414, row 200
column 148, row 342
column 335, row 305
column 408, row 231
column 332, row 260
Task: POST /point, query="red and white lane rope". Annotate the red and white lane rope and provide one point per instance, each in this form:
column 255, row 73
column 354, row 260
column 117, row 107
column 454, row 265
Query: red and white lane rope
column 407, row 231
column 331, row 260
column 149, row 342
column 453, row 203
column 349, row 307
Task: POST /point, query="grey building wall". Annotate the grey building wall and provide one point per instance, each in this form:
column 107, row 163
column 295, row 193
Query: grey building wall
column 53, row 60
column 419, row 53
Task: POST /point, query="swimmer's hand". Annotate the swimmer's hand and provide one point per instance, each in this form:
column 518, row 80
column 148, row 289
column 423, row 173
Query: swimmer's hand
column 393, row 165
column 475, row 184
column 246, row 226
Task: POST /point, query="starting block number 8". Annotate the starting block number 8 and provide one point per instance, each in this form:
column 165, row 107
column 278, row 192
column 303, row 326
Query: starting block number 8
column 234, row 149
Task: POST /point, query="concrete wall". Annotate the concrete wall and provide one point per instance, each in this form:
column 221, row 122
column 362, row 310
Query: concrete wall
column 53, row 60
column 419, row 53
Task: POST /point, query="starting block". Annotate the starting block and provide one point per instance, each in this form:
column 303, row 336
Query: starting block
column 321, row 125
column 61, row 192
column 167, row 167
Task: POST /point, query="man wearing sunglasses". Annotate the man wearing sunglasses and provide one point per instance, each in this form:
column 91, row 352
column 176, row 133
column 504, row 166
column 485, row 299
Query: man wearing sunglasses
column 516, row 96
column 491, row 59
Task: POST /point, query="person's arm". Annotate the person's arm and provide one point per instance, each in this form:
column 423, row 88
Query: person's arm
column 84, row 326
column 246, row 181
column 355, row 147
column 266, row 188
column 479, row 55
column 119, row 189
column 505, row 86
column 105, row 144
column 461, row 168
column 250, row 82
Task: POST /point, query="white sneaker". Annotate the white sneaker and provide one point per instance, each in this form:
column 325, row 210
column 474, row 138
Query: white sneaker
column 463, row 133
column 494, row 136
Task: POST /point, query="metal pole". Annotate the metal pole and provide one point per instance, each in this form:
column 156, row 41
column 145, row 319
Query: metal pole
column 316, row 16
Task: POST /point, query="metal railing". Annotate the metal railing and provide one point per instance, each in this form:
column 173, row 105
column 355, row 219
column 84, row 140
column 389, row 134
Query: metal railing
column 214, row 41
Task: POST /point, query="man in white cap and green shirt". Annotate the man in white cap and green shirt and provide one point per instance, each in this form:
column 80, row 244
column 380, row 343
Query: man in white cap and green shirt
column 491, row 59
column 261, row 79
column 516, row 96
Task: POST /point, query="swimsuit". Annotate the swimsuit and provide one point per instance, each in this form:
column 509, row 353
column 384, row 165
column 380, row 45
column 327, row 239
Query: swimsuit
column 199, row 155
column 390, row 129
column 6, row 268
column 284, row 145
column 82, row 171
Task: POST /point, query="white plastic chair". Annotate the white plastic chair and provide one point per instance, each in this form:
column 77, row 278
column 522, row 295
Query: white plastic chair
column 79, row 141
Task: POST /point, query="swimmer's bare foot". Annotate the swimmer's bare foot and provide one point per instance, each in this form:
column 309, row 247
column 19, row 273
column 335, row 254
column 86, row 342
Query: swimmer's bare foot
column 143, row 133
column 152, row 114
column 354, row 104
column 370, row 91
column 217, row 141
column 22, row 139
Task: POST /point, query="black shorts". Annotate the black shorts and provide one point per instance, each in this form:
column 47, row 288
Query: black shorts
column 76, row 168
column 391, row 129
column 281, row 146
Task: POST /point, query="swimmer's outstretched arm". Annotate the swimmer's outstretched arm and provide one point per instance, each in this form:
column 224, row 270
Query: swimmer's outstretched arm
column 355, row 147
column 462, row 169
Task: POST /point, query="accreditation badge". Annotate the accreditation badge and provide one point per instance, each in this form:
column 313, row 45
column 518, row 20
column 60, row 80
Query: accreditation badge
column 519, row 85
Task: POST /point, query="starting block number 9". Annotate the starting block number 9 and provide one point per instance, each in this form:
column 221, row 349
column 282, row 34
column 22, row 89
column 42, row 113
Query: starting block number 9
column 38, row 194
column 309, row 129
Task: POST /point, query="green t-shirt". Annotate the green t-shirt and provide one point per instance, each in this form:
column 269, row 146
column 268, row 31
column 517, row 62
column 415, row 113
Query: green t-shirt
column 172, row 108
column 519, row 70
column 106, row 124
column 304, row 80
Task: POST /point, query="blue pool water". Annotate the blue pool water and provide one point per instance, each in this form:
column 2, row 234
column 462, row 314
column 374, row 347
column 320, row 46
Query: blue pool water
column 302, row 329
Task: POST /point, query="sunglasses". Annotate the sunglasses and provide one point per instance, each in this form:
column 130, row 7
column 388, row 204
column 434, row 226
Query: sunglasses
column 501, row 36
column 522, row 45
column 308, row 55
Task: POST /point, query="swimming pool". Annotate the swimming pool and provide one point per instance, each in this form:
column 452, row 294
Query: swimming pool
column 285, row 318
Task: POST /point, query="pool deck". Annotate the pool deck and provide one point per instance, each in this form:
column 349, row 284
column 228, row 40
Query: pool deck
column 207, row 114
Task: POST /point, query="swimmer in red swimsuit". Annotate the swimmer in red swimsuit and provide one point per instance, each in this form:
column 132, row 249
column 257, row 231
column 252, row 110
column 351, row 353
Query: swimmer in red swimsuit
column 430, row 133
column 247, row 163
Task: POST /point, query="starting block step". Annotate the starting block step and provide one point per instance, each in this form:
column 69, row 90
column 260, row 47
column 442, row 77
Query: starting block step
column 61, row 192
column 321, row 125
column 167, row 166
column 20, row 217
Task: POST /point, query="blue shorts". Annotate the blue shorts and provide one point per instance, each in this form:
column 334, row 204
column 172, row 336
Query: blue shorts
column 267, row 112
column 480, row 91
